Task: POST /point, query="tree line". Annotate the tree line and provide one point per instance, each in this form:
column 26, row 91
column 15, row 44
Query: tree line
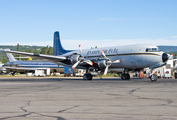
column 48, row 50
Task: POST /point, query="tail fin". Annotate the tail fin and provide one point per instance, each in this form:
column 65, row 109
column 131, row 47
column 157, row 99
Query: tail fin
column 57, row 47
column 9, row 56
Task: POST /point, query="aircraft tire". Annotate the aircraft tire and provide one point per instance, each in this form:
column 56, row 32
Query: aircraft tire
column 84, row 77
column 123, row 76
column 87, row 76
column 153, row 78
column 127, row 76
column 90, row 76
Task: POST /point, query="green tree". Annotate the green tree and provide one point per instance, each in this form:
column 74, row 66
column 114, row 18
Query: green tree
column 50, row 51
column 44, row 50
column 26, row 50
column 30, row 50
column 35, row 50
column 4, row 59
column 18, row 47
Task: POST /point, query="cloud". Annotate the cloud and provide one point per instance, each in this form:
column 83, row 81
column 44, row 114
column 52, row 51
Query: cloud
column 174, row 37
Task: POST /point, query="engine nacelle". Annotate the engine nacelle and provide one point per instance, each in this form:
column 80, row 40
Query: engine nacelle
column 74, row 58
column 101, row 63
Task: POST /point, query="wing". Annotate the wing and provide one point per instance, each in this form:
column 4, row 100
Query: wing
column 55, row 59
column 51, row 58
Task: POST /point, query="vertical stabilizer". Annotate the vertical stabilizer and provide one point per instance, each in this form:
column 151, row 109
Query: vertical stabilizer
column 9, row 56
column 57, row 47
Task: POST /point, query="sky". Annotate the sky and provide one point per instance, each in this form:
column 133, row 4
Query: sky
column 91, row 23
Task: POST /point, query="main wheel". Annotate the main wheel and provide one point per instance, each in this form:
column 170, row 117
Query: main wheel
column 153, row 78
column 127, row 76
column 87, row 76
column 123, row 76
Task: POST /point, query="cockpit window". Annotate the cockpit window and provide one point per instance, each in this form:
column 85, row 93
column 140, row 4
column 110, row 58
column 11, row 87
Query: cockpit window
column 147, row 49
column 154, row 49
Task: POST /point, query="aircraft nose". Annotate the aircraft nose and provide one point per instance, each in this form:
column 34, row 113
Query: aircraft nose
column 164, row 57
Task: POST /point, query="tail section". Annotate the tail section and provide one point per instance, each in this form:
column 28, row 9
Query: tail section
column 9, row 56
column 57, row 47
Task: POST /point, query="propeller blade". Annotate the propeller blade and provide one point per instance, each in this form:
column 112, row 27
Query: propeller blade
column 106, row 70
column 80, row 49
column 103, row 53
column 88, row 62
column 76, row 64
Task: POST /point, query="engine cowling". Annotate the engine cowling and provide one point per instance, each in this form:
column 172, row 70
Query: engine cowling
column 76, row 58
column 101, row 63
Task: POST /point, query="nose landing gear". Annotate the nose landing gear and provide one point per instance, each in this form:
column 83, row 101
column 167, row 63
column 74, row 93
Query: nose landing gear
column 153, row 77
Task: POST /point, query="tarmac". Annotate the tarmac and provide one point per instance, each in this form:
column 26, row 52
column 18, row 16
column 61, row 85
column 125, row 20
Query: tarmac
column 70, row 98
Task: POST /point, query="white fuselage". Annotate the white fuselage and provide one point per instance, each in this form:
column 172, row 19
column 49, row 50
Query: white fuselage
column 130, row 56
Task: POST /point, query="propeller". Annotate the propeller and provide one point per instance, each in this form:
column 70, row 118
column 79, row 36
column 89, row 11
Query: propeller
column 106, row 70
column 103, row 53
column 80, row 49
column 80, row 59
column 108, row 63
column 76, row 64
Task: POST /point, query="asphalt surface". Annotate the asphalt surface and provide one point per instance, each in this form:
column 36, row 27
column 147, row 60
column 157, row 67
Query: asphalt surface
column 75, row 99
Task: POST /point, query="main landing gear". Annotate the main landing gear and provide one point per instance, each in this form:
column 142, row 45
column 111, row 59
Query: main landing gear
column 125, row 76
column 87, row 75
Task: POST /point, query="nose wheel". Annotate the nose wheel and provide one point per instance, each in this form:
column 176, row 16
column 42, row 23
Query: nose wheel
column 153, row 78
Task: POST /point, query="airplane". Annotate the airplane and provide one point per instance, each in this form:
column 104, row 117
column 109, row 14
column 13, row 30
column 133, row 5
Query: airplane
column 13, row 65
column 128, row 57
column 2, row 69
